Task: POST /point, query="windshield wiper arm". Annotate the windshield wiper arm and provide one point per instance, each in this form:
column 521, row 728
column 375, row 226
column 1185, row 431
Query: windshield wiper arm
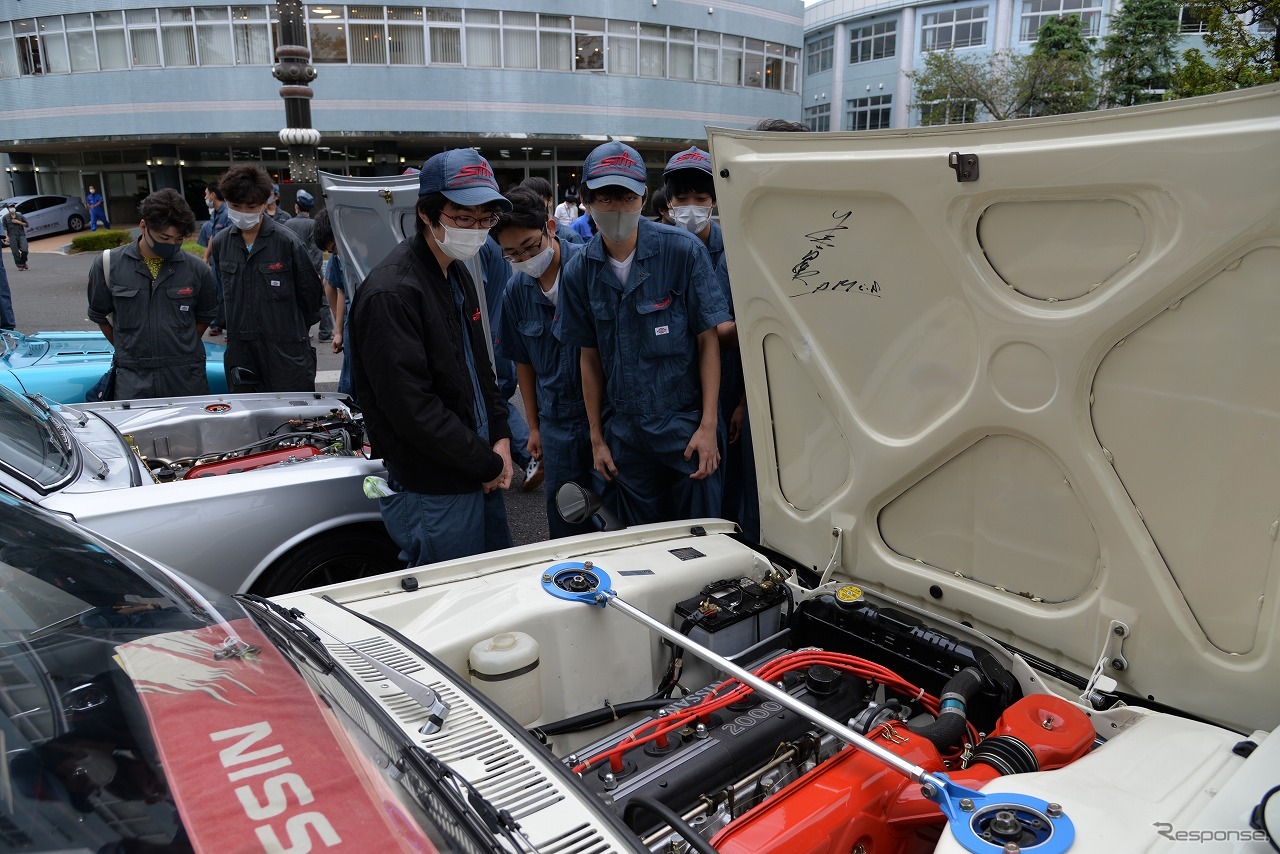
column 284, row 621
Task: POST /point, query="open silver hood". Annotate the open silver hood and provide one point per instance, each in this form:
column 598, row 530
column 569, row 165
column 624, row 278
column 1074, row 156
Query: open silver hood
column 1024, row 375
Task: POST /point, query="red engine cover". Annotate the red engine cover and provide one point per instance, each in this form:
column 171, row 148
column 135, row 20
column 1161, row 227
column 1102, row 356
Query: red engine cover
column 854, row 800
column 249, row 462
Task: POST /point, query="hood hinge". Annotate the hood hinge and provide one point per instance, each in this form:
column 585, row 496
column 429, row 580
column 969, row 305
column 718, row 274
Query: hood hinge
column 1112, row 658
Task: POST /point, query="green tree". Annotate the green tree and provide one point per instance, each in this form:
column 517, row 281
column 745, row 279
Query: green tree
column 1138, row 57
column 1237, row 56
column 1062, row 49
column 1054, row 78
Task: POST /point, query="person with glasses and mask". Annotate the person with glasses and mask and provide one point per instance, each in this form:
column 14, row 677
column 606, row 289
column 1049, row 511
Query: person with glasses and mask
column 642, row 302
column 157, row 304
column 550, row 379
column 421, row 370
column 270, row 291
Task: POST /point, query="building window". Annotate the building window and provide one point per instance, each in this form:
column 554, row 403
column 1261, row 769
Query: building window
column 818, row 118
column 653, row 50
column 405, row 43
column 251, row 34
column 1036, row 12
column 1188, row 23
column 874, row 112
column 213, row 36
column 952, row 28
column 588, row 43
column 791, row 80
column 520, row 40
column 484, row 39
column 731, row 60
column 708, row 57
column 680, row 54
column 555, row 42
column 819, row 53
column 178, row 37
column 948, row 112
column 444, row 35
column 874, row 41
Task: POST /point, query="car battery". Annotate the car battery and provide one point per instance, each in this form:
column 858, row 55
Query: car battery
column 731, row 615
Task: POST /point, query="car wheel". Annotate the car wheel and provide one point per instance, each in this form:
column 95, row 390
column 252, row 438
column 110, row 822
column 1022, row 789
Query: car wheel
column 329, row 559
column 75, row 223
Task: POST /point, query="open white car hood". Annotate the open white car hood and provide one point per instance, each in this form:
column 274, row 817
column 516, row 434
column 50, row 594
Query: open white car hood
column 1044, row 401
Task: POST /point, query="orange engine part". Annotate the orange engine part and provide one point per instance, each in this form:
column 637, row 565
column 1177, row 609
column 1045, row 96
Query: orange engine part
column 249, row 462
column 854, row 800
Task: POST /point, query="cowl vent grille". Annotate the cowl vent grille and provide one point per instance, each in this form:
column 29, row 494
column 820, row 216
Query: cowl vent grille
column 474, row 744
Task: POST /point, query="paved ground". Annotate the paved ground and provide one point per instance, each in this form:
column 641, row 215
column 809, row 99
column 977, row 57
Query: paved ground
column 51, row 295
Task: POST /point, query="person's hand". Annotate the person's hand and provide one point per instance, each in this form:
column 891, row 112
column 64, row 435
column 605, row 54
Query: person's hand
column 535, row 442
column 602, row 459
column 703, row 444
column 503, row 481
column 735, row 421
column 337, row 340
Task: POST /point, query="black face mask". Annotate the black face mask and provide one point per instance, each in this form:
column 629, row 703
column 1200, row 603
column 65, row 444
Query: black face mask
column 166, row 251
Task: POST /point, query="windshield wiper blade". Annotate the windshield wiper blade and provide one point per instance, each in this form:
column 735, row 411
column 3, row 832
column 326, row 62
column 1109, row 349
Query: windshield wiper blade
column 286, row 622
column 498, row 822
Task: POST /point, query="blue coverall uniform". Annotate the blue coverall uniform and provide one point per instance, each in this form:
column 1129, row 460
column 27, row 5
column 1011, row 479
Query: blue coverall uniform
column 531, row 336
column 646, row 335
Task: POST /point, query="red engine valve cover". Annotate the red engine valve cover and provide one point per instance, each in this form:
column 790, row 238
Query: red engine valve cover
column 249, row 462
column 854, row 799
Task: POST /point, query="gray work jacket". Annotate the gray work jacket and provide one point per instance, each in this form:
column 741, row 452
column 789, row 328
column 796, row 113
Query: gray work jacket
column 158, row 348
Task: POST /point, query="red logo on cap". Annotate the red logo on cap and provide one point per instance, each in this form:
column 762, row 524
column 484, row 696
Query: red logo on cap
column 468, row 174
column 622, row 160
column 690, row 155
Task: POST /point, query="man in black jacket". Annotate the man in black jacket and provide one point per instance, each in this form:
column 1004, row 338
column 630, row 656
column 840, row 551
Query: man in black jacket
column 422, row 372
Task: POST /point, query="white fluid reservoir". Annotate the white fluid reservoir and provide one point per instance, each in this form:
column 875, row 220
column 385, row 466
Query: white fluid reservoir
column 505, row 669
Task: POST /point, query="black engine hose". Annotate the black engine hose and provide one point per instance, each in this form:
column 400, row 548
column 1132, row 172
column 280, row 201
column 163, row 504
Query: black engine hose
column 948, row 729
column 642, row 802
column 596, row 717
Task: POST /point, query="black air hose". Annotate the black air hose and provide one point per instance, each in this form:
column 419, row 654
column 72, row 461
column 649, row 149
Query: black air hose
column 596, row 717
column 640, row 802
column 948, row 729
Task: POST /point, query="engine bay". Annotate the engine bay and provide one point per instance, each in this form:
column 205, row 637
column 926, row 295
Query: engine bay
column 745, row 774
column 213, row 437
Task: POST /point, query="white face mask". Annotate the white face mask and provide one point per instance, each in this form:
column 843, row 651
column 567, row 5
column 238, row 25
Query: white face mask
column 244, row 221
column 461, row 243
column 616, row 225
column 692, row 218
column 538, row 264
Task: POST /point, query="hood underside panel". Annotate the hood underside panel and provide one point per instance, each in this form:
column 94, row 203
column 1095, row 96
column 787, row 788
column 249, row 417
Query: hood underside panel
column 1040, row 401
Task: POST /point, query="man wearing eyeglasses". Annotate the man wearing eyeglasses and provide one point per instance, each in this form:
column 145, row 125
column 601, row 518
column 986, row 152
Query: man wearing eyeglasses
column 642, row 302
column 157, row 304
column 422, row 373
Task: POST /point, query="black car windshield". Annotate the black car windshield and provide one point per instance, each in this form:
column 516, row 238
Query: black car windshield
column 141, row 713
column 33, row 442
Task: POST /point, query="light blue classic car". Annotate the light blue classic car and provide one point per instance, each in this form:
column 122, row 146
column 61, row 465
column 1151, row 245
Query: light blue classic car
column 63, row 366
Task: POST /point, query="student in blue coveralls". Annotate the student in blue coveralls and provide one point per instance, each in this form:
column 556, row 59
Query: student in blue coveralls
column 421, row 371
column 97, row 209
column 550, row 378
column 691, row 200
column 642, row 302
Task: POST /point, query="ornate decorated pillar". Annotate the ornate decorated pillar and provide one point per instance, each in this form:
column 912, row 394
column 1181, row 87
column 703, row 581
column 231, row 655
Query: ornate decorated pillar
column 294, row 71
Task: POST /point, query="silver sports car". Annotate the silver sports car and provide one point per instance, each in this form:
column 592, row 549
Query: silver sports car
column 257, row 492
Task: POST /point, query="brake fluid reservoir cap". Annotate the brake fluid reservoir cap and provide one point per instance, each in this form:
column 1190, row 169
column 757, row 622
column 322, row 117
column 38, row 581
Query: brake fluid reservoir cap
column 849, row 593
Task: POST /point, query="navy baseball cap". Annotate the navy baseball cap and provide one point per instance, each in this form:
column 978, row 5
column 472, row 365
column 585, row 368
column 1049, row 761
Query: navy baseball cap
column 615, row 163
column 304, row 199
column 463, row 176
column 693, row 158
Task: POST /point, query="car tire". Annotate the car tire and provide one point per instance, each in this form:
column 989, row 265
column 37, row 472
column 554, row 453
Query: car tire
column 342, row 555
column 75, row 223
